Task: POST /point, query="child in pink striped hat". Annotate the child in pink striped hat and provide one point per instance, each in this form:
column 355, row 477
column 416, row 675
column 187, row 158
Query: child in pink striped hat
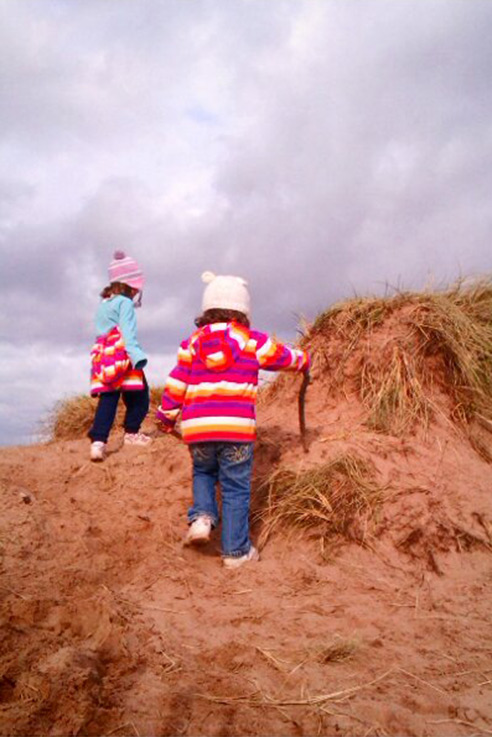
column 117, row 358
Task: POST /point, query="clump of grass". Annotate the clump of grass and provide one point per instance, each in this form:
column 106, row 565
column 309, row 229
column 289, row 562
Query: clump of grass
column 393, row 392
column 397, row 349
column 457, row 326
column 71, row 418
column 155, row 396
column 352, row 317
column 336, row 499
column 337, row 651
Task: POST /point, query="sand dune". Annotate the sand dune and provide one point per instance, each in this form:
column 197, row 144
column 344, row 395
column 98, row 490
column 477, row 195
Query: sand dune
column 111, row 626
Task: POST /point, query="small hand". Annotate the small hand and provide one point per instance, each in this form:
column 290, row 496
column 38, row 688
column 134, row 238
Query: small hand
column 167, row 429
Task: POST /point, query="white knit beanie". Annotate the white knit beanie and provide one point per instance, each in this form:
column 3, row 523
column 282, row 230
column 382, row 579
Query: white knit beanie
column 225, row 293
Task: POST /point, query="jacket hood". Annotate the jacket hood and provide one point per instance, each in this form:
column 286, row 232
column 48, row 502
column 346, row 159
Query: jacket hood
column 219, row 345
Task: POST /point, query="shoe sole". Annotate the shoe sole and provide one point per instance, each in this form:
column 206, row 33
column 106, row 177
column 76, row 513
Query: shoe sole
column 136, row 443
column 232, row 563
column 196, row 541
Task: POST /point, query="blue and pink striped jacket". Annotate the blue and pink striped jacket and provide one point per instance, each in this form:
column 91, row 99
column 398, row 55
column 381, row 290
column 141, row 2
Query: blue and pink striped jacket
column 216, row 380
column 117, row 359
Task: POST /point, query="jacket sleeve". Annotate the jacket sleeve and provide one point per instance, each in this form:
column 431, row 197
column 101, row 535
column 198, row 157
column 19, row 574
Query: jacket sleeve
column 175, row 388
column 128, row 327
column 274, row 356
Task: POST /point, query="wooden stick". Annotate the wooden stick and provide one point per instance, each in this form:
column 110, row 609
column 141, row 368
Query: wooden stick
column 301, row 408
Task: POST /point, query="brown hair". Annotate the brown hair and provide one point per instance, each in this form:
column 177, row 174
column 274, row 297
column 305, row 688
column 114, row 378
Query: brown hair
column 218, row 315
column 117, row 287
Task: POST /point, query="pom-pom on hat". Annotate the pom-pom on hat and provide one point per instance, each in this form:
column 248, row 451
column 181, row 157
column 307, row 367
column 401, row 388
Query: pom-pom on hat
column 125, row 269
column 225, row 293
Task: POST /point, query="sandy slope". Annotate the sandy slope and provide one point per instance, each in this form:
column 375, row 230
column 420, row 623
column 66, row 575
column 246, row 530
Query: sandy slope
column 110, row 626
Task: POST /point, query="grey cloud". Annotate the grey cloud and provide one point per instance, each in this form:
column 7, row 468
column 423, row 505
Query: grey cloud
column 318, row 149
column 52, row 275
column 322, row 148
column 93, row 74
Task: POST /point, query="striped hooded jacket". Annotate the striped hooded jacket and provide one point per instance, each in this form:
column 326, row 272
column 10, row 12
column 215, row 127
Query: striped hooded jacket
column 215, row 381
column 117, row 359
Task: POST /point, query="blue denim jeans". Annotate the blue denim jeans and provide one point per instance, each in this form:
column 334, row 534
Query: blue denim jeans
column 230, row 465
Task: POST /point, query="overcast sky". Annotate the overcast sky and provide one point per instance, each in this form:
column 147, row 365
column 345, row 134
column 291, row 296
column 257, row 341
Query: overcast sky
column 319, row 148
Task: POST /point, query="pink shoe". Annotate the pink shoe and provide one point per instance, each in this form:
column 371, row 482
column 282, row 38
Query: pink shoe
column 137, row 438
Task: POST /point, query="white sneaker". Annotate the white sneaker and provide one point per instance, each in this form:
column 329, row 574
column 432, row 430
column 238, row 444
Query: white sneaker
column 98, row 450
column 199, row 531
column 137, row 438
column 232, row 562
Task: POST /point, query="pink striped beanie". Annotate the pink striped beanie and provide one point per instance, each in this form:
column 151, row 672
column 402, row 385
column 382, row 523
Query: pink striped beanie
column 125, row 269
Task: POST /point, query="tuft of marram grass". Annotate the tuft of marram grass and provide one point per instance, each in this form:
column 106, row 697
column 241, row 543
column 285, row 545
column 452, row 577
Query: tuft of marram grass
column 435, row 338
column 341, row 649
column 351, row 318
column 457, row 326
column 70, row 418
column 339, row 498
column 393, row 392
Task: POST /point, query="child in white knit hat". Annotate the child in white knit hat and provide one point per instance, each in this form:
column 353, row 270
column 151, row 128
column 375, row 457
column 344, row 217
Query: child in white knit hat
column 214, row 385
column 117, row 358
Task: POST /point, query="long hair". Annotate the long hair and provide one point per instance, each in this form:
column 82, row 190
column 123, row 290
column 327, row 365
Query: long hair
column 117, row 287
column 218, row 315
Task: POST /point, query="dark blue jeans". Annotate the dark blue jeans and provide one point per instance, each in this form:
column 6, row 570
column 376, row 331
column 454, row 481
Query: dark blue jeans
column 230, row 465
column 137, row 406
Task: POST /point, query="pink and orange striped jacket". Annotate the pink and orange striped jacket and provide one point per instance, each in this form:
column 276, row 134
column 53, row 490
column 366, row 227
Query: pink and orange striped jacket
column 215, row 381
column 111, row 368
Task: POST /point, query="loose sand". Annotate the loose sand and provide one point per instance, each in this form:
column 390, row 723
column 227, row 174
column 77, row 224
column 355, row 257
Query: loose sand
column 111, row 627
